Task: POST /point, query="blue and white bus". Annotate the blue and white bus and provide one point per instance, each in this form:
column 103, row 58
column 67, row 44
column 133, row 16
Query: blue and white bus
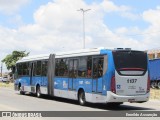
column 89, row 75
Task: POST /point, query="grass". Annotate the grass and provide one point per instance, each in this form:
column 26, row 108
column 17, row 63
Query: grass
column 9, row 85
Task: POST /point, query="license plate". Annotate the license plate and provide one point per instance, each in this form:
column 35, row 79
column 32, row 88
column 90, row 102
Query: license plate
column 131, row 100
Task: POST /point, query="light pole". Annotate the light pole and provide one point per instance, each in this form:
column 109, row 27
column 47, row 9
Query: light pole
column 83, row 11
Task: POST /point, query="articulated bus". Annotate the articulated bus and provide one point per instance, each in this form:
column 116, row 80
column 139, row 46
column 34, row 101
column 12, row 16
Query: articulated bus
column 90, row 75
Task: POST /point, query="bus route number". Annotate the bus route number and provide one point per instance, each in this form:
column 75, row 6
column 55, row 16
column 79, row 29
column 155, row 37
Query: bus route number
column 131, row 80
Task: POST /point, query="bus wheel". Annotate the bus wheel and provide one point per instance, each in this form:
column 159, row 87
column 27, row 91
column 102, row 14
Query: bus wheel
column 158, row 85
column 22, row 93
column 153, row 85
column 81, row 98
column 38, row 91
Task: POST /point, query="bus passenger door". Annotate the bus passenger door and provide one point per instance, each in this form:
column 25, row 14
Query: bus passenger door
column 97, row 81
column 73, row 66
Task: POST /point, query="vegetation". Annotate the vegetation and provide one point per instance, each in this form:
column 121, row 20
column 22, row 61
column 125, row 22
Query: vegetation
column 11, row 59
column 8, row 85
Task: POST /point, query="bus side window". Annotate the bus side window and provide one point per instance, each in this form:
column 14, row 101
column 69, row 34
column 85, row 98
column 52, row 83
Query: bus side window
column 44, row 68
column 62, row 66
column 19, row 69
column 66, row 67
column 71, row 68
column 25, row 68
column 34, row 70
column 38, row 68
column 82, row 67
column 100, row 67
column 95, row 68
column 56, row 67
column 89, row 67
column 75, row 68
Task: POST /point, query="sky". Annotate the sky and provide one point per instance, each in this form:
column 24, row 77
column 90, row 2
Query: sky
column 49, row 26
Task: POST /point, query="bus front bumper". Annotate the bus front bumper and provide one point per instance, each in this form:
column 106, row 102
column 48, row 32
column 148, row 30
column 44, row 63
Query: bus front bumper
column 111, row 97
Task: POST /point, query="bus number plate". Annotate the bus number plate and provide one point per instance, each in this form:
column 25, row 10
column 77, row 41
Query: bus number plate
column 131, row 80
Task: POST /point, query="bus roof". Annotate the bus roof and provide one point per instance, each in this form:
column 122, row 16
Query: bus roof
column 34, row 57
column 83, row 52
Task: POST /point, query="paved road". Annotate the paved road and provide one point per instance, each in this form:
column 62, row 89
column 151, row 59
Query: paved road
column 13, row 101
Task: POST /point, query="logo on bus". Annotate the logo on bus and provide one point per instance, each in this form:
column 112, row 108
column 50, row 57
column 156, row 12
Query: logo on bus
column 118, row 86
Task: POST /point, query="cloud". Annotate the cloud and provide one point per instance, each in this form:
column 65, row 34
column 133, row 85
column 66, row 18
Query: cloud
column 123, row 11
column 58, row 27
column 11, row 6
column 152, row 33
column 152, row 16
column 109, row 6
column 131, row 16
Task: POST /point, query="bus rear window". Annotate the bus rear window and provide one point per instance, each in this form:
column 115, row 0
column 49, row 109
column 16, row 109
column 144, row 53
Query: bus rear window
column 130, row 62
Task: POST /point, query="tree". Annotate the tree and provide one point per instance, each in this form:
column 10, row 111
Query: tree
column 11, row 59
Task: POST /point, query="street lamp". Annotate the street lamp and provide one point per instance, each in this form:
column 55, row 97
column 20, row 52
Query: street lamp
column 83, row 11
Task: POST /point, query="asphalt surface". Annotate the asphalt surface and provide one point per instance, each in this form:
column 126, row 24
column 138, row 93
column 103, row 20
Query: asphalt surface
column 11, row 100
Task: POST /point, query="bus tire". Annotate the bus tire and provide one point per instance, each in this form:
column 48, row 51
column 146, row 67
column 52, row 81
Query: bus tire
column 38, row 91
column 22, row 92
column 158, row 85
column 153, row 85
column 81, row 97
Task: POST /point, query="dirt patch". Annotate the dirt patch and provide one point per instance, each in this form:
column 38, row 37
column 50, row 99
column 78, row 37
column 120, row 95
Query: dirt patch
column 155, row 94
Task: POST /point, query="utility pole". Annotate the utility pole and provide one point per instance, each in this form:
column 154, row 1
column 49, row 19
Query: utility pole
column 83, row 11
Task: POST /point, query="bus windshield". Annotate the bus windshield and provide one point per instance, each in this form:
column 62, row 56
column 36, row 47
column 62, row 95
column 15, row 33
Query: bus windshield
column 130, row 62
